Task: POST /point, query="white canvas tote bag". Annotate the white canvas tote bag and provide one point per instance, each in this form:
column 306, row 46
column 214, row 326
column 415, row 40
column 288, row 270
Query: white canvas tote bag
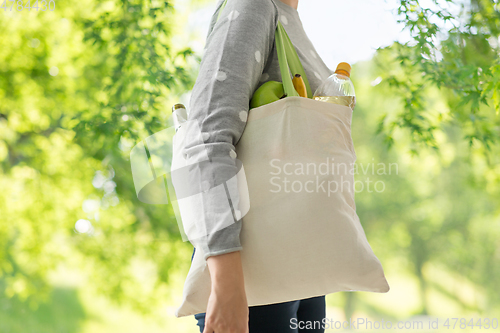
column 301, row 236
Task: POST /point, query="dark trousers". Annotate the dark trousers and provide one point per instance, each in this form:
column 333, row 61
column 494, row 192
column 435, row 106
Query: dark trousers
column 288, row 317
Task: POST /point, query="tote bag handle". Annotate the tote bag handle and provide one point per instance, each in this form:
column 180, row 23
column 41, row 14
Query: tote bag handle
column 288, row 59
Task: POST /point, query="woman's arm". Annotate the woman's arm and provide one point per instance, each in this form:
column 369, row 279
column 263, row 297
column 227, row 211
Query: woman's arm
column 232, row 65
column 227, row 309
column 235, row 56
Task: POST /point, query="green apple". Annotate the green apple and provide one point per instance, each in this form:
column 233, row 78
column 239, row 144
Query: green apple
column 269, row 92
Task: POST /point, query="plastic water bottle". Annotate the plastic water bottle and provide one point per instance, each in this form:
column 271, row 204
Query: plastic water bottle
column 179, row 115
column 337, row 88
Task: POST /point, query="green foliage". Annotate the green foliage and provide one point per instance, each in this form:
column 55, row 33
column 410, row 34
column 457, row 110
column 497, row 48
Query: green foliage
column 438, row 210
column 78, row 87
column 138, row 67
column 62, row 313
column 462, row 60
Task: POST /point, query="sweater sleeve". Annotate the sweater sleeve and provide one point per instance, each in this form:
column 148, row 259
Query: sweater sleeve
column 236, row 53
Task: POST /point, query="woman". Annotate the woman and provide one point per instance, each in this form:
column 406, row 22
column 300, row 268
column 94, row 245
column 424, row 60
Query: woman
column 240, row 55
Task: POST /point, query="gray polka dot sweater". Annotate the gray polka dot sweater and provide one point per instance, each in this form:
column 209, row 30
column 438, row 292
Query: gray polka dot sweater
column 239, row 56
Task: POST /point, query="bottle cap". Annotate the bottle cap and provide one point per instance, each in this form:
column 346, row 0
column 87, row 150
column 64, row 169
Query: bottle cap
column 343, row 69
column 178, row 106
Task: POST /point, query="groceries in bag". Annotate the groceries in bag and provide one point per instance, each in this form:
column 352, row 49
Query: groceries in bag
column 271, row 91
column 338, row 88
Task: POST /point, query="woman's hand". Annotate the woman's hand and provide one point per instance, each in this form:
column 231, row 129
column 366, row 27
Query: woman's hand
column 227, row 310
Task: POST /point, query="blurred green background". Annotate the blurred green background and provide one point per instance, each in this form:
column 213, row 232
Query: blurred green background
column 82, row 84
